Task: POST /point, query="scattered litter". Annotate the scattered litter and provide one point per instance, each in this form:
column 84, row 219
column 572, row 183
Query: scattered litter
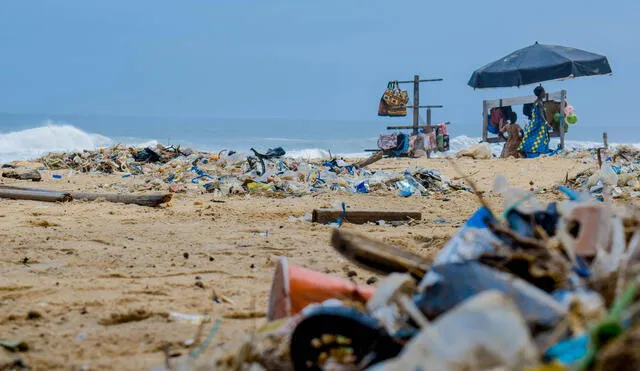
column 232, row 173
column 194, row 319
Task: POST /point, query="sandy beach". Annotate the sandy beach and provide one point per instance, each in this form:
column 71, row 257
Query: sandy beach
column 91, row 284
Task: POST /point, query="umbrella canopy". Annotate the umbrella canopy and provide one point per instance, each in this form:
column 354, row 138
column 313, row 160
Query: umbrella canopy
column 538, row 63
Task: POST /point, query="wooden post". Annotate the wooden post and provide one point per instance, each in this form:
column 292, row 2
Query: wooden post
column 485, row 122
column 563, row 104
column 428, row 131
column 416, row 102
column 605, row 140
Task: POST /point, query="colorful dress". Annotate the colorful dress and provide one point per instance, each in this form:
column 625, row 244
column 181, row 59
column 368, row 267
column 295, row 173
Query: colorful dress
column 535, row 141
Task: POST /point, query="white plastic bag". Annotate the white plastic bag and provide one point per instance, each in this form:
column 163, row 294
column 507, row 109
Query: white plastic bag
column 484, row 332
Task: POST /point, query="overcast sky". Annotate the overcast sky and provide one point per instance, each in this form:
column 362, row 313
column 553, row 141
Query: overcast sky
column 296, row 59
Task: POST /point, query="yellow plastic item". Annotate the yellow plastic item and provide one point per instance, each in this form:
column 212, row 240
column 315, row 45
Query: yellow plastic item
column 255, row 186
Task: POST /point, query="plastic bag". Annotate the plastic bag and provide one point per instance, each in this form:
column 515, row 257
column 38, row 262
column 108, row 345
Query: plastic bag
column 481, row 151
column 606, row 175
column 482, row 333
column 405, row 188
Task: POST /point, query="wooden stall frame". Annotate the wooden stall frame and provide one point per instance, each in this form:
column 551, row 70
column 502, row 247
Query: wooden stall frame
column 488, row 104
column 416, row 109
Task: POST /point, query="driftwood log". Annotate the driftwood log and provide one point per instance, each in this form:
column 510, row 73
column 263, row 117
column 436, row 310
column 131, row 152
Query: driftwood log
column 377, row 256
column 23, row 193
column 46, row 196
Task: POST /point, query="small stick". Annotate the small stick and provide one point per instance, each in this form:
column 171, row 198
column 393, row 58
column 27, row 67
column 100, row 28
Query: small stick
column 598, row 151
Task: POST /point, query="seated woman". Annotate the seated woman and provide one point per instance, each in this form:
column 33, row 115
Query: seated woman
column 535, row 141
column 513, row 135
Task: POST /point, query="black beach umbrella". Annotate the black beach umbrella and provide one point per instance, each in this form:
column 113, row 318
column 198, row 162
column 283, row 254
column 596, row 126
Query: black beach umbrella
column 538, row 63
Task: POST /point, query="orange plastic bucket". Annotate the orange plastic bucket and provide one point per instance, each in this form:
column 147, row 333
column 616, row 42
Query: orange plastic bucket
column 293, row 288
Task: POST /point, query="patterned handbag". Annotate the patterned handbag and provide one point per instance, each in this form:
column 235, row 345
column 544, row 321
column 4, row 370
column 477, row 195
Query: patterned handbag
column 396, row 100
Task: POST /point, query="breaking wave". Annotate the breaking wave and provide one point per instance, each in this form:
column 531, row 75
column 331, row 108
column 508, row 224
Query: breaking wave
column 31, row 143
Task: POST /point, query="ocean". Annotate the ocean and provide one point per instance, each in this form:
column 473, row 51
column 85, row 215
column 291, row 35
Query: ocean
column 29, row 136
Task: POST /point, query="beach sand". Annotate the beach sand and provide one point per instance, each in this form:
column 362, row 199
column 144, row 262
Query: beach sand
column 100, row 278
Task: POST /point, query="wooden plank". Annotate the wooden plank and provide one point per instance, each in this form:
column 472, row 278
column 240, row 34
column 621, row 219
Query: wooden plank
column 377, row 256
column 500, row 140
column 325, row 216
column 411, row 127
column 151, row 200
column 491, row 103
column 424, row 80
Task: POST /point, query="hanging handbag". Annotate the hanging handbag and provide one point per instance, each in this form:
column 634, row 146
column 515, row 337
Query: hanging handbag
column 396, row 100
column 383, row 106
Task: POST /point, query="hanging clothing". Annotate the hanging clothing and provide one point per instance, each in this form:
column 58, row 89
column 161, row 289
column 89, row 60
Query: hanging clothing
column 535, row 141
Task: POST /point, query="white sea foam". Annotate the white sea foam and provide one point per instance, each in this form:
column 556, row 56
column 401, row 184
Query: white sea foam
column 31, row 143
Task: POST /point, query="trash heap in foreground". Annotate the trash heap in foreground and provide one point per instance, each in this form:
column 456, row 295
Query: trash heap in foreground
column 537, row 287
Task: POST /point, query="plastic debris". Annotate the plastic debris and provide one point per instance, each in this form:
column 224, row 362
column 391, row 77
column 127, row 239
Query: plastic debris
column 485, row 332
column 232, row 173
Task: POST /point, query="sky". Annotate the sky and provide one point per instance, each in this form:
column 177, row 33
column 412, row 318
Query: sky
column 327, row 60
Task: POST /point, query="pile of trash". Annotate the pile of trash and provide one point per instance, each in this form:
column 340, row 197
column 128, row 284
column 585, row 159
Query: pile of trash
column 618, row 175
column 229, row 172
column 536, row 287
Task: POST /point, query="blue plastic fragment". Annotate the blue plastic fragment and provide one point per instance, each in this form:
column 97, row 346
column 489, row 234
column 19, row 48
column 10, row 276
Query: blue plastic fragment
column 569, row 351
column 362, row 187
column 582, row 269
column 573, row 195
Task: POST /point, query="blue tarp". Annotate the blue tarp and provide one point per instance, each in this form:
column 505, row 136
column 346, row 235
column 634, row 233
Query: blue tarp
column 538, row 63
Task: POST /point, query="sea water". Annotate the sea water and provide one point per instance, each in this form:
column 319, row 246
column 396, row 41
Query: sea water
column 24, row 137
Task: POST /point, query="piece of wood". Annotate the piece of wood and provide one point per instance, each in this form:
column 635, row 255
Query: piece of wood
column 500, row 140
column 325, row 216
column 515, row 101
column 429, row 132
column 485, row 121
column 151, row 200
column 31, row 195
column 563, row 104
column 23, row 174
column 377, row 156
column 377, row 256
column 401, row 127
column 424, row 80
column 416, row 102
